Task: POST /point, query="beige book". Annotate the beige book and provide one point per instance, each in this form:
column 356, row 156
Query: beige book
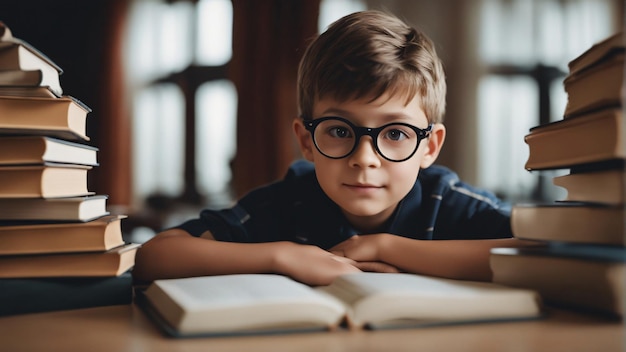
column 113, row 262
column 570, row 222
column 63, row 117
column 43, row 181
column 602, row 186
column 596, row 137
column 98, row 235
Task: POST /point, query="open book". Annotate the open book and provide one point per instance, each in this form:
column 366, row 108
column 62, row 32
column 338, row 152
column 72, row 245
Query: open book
column 266, row 303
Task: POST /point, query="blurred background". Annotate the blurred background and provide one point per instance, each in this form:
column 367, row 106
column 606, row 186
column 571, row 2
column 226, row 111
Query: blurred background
column 193, row 99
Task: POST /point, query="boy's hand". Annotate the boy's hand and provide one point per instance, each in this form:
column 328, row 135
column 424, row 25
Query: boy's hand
column 361, row 248
column 378, row 267
column 310, row 264
column 365, row 251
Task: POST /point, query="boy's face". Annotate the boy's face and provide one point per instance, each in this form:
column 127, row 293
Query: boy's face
column 365, row 185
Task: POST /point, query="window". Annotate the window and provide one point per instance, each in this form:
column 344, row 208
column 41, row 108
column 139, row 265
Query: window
column 332, row 10
column 526, row 46
column 165, row 40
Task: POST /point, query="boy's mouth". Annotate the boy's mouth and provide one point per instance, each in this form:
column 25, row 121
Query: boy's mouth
column 362, row 187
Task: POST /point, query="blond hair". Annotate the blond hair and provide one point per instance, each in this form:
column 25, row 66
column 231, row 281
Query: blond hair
column 366, row 55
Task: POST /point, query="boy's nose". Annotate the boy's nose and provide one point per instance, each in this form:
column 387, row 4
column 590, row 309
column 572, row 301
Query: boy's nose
column 365, row 154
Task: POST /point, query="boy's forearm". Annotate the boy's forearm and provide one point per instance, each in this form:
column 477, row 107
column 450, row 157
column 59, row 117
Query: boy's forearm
column 171, row 256
column 455, row 259
column 175, row 253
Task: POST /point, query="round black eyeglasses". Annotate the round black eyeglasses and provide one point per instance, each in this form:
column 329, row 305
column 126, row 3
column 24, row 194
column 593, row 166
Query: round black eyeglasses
column 336, row 138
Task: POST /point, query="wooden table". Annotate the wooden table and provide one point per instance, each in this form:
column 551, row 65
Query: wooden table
column 126, row 328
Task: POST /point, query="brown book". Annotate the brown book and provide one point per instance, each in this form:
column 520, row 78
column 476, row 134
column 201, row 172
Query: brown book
column 569, row 222
column 43, row 181
column 601, row 186
column 113, row 262
column 98, row 235
column 78, row 209
column 594, row 137
column 63, row 117
column 575, row 281
column 599, row 86
column 265, row 303
column 598, row 52
column 22, row 150
column 18, row 55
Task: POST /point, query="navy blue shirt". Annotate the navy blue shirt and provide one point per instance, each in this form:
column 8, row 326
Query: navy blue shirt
column 296, row 209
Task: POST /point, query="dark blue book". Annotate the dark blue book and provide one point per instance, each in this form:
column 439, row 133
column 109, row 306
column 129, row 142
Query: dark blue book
column 21, row 296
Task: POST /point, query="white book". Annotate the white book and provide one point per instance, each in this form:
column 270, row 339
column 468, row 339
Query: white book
column 267, row 303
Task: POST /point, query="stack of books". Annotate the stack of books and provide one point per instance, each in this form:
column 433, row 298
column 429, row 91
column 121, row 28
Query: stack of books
column 580, row 260
column 59, row 246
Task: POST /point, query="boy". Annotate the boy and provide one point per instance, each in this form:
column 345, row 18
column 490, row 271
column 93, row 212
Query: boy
column 371, row 94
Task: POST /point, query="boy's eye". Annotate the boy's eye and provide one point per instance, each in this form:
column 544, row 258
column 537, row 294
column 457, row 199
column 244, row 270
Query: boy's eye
column 340, row 132
column 395, row 135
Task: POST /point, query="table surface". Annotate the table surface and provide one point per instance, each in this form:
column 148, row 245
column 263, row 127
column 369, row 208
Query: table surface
column 127, row 328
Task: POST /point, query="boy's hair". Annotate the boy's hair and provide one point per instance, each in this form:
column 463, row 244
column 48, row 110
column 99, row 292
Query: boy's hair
column 367, row 54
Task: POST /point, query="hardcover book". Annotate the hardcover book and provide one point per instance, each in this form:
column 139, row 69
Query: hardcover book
column 113, row 262
column 569, row 222
column 77, row 209
column 63, row 117
column 598, row 53
column 595, row 186
column 565, row 143
column 28, row 150
column 597, row 87
column 98, row 235
column 43, row 181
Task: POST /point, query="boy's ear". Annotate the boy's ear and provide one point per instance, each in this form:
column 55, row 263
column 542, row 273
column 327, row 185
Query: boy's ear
column 434, row 144
column 304, row 139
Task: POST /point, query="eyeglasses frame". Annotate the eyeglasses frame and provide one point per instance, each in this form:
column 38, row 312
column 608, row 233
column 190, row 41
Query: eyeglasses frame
column 373, row 132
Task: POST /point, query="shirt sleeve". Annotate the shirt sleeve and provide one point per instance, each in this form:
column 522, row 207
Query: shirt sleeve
column 259, row 216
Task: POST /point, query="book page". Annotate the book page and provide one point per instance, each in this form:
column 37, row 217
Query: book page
column 241, row 302
column 396, row 299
